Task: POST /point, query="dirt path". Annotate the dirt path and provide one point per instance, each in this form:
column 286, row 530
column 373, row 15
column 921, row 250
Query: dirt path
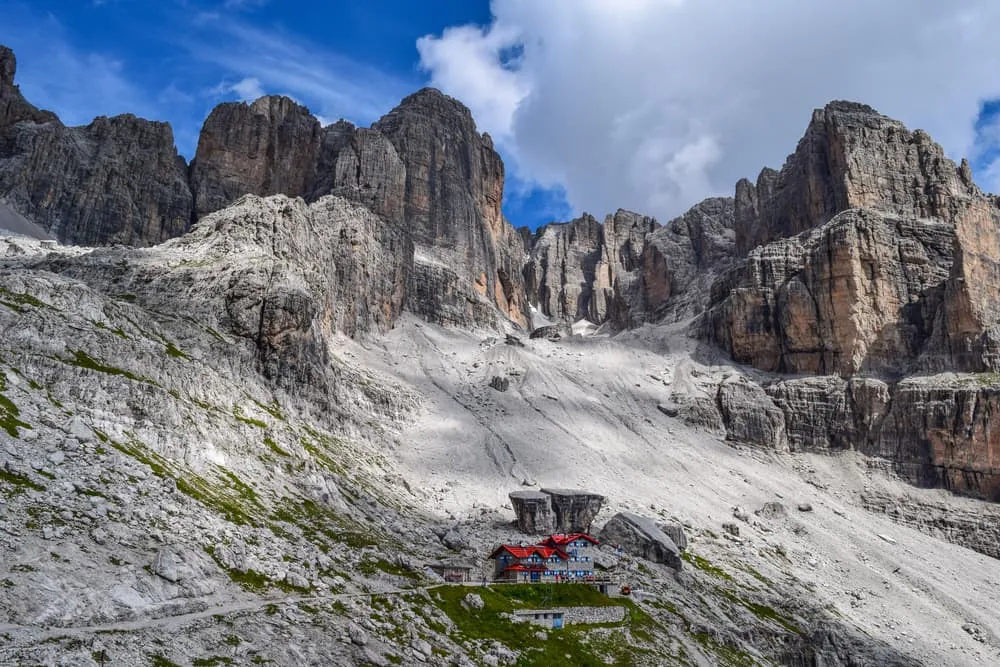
column 34, row 634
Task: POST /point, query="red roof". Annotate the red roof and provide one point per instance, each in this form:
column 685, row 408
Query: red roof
column 562, row 540
column 529, row 551
column 525, row 568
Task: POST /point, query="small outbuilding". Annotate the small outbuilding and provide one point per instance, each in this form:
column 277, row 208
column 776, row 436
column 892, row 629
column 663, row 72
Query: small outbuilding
column 452, row 571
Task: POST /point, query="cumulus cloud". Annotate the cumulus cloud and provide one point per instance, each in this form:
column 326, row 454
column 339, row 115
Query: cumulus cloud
column 655, row 104
column 249, row 89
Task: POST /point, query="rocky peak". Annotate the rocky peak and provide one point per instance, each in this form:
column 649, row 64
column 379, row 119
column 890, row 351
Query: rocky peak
column 13, row 107
column 582, row 269
column 850, row 157
column 453, row 194
column 265, row 148
column 8, row 66
column 429, row 102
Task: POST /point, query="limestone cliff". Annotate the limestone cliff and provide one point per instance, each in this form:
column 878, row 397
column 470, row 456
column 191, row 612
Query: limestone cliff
column 117, row 180
column 587, row 270
column 466, row 249
column 850, row 157
column 265, row 148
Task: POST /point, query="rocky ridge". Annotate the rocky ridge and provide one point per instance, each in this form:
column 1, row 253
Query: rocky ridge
column 190, row 450
column 423, row 168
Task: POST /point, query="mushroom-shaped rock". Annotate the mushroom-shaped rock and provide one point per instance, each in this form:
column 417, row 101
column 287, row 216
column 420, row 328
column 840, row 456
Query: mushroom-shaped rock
column 574, row 510
column 641, row 537
column 534, row 512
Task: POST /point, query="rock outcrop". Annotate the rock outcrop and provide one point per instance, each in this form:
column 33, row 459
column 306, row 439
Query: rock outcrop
column 560, row 275
column 860, row 293
column 587, row 270
column 869, row 252
column 466, row 251
column 423, row 167
column 850, row 157
column 750, row 416
column 278, row 274
column 265, row 148
column 679, row 262
column 555, row 510
column 534, row 512
column 932, row 430
column 574, row 510
column 641, row 537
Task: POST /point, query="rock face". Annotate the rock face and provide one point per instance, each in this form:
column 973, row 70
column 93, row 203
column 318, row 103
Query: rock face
column 117, row 180
column 679, row 263
column 534, row 512
column 750, row 416
column 585, row 270
column 278, row 274
column 630, row 270
column 265, row 148
column 555, row 510
column 869, row 257
column 896, row 255
column 971, row 313
column 641, row 537
column 13, row 107
column 860, row 293
column 423, row 167
column 850, row 157
column 466, row 250
column 560, row 274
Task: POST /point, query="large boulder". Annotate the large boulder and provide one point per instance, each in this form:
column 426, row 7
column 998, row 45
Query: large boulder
column 750, row 416
column 574, row 510
column 641, row 537
column 534, row 512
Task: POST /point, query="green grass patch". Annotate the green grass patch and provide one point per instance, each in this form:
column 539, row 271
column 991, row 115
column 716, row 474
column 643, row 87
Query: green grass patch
column 369, row 567
column 725, row 656
column 117, row 331
column 273, row 446
column 174, row 352
column 273, row 409
column 255, row 582
column 82, row 360
column 17, row 301
column 578, row 641
column 9, row 412
column 324, row 527
column 18, row 483
column 228, row 496
column 703, row 564
column 238, row 414
column 211, row 661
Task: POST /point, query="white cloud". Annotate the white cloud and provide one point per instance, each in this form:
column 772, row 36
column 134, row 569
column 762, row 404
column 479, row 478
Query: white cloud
column 267, row 59
column 990, row 176
column 655, row 104
column 249, row 89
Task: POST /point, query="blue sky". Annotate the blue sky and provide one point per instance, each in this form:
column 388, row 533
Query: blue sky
column 174, row 60
column 595, row 104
